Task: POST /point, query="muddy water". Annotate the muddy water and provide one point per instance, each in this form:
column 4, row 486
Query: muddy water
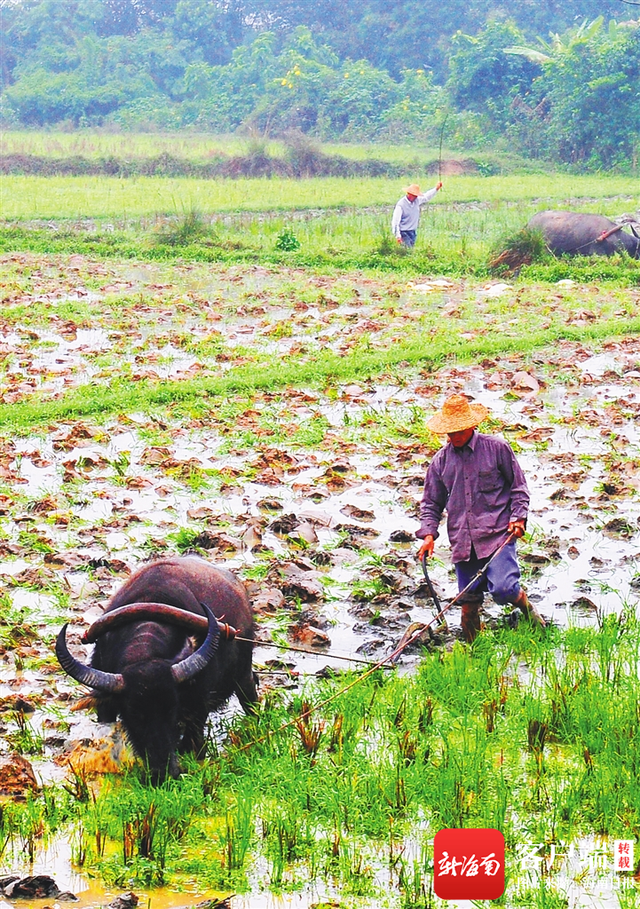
column 309, row 527
column 577, row 453
column 579, row 569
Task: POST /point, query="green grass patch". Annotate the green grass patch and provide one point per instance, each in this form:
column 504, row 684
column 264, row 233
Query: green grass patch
column 325, row 367
column 532, row 734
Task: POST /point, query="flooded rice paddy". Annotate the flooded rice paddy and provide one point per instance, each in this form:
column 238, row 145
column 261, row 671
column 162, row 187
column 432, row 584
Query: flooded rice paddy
column 310, row 494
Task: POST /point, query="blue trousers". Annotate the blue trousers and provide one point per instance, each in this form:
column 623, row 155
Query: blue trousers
column 502, row 578
column 408, row 237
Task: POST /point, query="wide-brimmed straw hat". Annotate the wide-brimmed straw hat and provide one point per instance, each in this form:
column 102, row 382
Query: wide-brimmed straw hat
column 457, row 414
column 414, row 189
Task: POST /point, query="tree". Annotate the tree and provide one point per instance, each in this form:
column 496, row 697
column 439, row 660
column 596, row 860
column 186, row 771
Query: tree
column 485, row 79
column 587, row 96
column 82, row 82
column 215, row 29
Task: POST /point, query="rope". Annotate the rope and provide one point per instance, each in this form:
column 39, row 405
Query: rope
column 391, row 657
column 316, row 653
column 440, row 150
column 599, row 239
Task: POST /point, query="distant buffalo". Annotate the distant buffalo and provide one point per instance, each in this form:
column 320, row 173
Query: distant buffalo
column 576, row 234
column 164, row 657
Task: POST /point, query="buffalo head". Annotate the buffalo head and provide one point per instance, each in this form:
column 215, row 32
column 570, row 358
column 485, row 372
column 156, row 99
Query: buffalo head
column 147, row 691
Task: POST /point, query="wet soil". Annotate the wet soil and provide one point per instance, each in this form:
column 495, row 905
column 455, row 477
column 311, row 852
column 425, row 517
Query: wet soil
column 310, row 495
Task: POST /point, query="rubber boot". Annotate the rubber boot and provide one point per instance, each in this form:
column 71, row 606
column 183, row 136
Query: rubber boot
column 471, row 616
column 528, row 610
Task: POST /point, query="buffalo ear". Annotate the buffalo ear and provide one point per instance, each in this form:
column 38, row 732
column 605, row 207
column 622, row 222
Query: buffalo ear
column 190, row 647
column 186, row 669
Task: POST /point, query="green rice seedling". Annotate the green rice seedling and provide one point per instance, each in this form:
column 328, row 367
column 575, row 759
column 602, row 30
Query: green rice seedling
column 545, row 896
column 182, row 231
column 310, row 732
column 24, row 825
column 186, row 539
column 149, row 824
column 287, row 241
column 28, row 197
column 356, row 870
column 77, row 784
column 25, row 739
column 398, row 758
column 367, row 589
column 288, row 837
column 627, row 895
column 238, row 836
column 537, row 731
column 415, row 882
column 121, row 464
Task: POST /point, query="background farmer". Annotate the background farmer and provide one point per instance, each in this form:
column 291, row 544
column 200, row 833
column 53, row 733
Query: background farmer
column 406, row 214
column 477, row 479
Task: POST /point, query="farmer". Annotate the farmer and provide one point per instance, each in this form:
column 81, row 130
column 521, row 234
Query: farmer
column 406, row 214
column 478, row 480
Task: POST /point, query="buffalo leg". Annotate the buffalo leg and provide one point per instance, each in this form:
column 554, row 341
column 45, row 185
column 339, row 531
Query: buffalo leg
column 193, row 738
column 247, row 693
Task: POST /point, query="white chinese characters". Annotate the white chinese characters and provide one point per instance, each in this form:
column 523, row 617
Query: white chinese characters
column 468, row 867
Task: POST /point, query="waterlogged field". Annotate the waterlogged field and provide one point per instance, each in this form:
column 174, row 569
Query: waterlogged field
column 272, row 418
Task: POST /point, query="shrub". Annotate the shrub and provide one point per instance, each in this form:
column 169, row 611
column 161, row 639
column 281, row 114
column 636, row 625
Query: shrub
column 287, row 241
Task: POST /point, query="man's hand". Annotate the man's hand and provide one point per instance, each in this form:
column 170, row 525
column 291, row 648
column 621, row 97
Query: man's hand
column 516, row 528
column 398, row 239
column 426, row 548
column 439, row 185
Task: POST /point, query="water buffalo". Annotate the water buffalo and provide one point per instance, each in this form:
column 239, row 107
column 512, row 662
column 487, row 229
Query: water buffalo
column 576, row 234
column 147, row 666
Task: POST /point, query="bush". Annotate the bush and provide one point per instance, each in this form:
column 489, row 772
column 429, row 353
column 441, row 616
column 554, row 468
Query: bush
column 287, row 241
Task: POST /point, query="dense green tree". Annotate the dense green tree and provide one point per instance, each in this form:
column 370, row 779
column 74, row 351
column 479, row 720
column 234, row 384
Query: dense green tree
column 222, row 97
column 485, row 79
column 349, row 68
column 413, row 33
column 586, row 100
column 126, row 17
column 593, row 91
column 82, row 82
column 211, row 27
column 405, row 34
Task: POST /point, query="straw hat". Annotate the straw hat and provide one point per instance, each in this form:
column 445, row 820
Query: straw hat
column 457, row 414
column 414, row 189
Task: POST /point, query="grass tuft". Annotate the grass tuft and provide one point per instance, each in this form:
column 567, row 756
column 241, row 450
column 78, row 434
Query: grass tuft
column 523, row 248
column 182, row 231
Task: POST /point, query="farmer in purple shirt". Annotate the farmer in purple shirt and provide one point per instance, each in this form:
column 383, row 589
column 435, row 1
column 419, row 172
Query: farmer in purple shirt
column 478, row 480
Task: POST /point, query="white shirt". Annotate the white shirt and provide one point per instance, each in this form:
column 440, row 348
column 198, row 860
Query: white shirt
column 406, row 214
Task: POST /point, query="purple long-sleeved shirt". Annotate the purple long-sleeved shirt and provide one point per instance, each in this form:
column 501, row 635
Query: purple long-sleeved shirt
column 483, row 488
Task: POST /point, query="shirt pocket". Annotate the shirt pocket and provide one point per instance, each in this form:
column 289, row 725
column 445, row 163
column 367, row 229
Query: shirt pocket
column 489, row 481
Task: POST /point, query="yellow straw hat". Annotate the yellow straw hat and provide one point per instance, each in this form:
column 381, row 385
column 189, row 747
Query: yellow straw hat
column 414, row 189
column 457, row 414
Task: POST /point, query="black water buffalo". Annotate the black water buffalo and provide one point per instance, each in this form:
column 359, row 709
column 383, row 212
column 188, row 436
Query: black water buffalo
column 576, row 234
column 147, row 666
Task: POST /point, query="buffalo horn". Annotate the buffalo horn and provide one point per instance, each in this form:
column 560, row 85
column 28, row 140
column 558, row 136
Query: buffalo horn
column 138, row 612
column 113, row 682
column 192, row 665
column 154, row 612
